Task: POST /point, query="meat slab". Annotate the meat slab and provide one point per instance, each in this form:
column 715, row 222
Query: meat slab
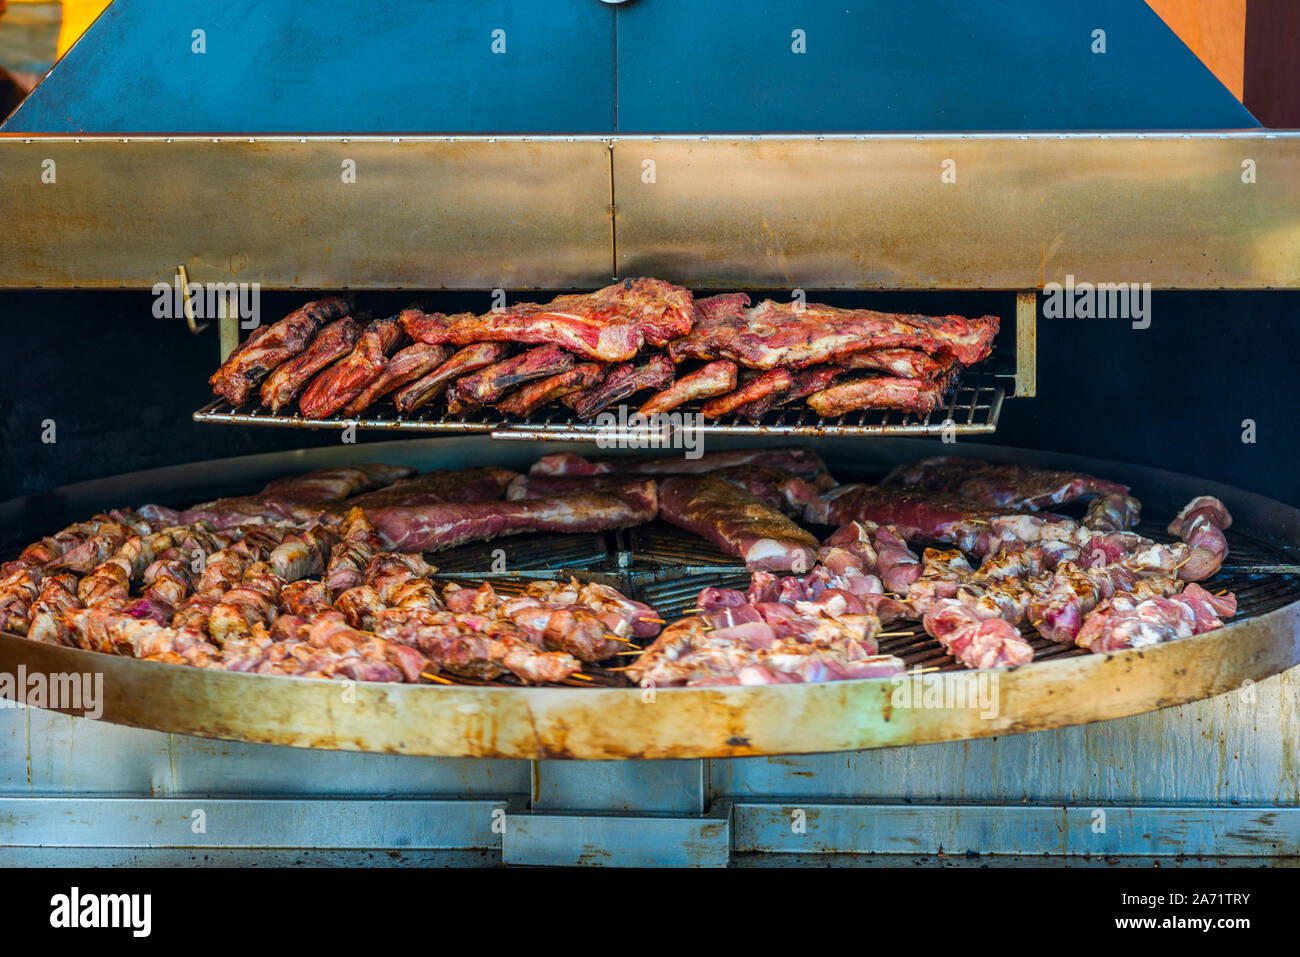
column 737, row 522
column 609, row 325
column 1004, row 486
column 424, row 528
column 333, row 342
column 794, row 335
column 271, row 345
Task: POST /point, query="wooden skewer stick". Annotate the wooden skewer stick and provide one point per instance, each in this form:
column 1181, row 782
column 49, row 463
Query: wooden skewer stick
column 617, row 638
column 438, row 678
column 656, row 621
column 896, row 634
column 582, row 677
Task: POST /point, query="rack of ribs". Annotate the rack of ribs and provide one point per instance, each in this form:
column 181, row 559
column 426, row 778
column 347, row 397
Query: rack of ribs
column 608, row 325
column 266, row 348
column 795, row 335
column 342, row 382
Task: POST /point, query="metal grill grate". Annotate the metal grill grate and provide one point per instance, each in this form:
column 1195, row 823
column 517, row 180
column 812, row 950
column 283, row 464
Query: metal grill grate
column 973, row 407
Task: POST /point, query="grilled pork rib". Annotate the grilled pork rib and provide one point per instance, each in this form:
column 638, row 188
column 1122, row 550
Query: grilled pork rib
column 918, row 396
column 608, row 325
column 488, row 385
column 271, row 345
column 342, row 382
column 462, row 363
column 531, row 397
column 405, row 366
column 620, row 383
column 711, row 379
column 333, row 342
column 795, row 335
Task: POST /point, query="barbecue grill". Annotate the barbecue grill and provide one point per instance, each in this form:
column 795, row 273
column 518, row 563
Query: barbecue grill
column 847, row 216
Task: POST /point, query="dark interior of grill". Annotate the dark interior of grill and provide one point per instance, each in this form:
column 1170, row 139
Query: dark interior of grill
column 123, row 386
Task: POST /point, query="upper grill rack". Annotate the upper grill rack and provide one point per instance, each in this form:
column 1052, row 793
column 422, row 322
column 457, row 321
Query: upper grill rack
column 972, row 408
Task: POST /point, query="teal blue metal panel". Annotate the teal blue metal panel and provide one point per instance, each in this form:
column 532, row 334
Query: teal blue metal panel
column 333, row 66
column 943, row 65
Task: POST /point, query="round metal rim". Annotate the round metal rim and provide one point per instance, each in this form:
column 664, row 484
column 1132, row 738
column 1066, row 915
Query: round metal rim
column 607, row 723
column 598, row 723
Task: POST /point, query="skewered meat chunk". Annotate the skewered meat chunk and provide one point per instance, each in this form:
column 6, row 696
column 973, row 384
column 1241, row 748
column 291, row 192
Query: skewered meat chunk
column 794, row 335
column 332, row 343
column 1128, row 621
column 531, row 397
column 737, row 522
column 462, row 363
column 608, row 325
column 1201, row 524
column 405, row 366
column 711, row 379
column 474, row 645
column 426, row 528
column 342, row 382
column 271, row 345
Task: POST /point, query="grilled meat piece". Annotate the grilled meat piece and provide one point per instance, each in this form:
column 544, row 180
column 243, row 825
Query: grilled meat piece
column 405, row 366
column 425, row 528
column 879, row 392
column 271, row 345
column 332, row 485
column 1201, row 524
column 1124, row 621
column 441, row 485
column 936, row 516
column 620, row 383
column 1112, row 513
column 772, row 384
column 797, row 461
column 533, row 396
column 488, row 385
column 342, row 382
column 711, row 379
column 793, row 335
column 806, row 382
column 737, row 522
column 903, row 363
column 462, row 363
column 1003, row 486
column 333, row 342
column 608, row 325
column 474, row 645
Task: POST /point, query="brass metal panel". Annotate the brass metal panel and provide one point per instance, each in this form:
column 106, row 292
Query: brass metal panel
column 594, row 723
column 1024, row 210
column 428, row 213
